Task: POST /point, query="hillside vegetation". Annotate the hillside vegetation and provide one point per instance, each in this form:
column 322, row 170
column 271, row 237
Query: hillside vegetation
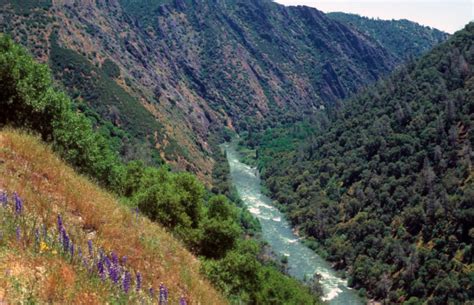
column 208, row 224
column 384, row 186
column 160, row 77
column 48, row 188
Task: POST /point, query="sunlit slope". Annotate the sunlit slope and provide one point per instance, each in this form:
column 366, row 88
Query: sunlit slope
column 33, row 270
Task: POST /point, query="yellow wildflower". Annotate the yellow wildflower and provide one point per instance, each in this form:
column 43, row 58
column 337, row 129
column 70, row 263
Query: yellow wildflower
column 43, row 247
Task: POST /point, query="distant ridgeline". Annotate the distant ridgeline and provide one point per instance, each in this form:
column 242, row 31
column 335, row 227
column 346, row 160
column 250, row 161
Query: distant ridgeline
column 384, row 187
column 160, row 77
column 404, row 38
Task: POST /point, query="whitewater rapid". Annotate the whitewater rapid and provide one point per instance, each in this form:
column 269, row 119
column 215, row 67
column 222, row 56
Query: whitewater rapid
column 303, row 263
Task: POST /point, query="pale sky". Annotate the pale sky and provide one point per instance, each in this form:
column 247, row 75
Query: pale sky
column 446, row 15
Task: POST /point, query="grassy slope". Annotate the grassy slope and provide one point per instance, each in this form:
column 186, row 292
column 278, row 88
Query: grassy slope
column 49, row 187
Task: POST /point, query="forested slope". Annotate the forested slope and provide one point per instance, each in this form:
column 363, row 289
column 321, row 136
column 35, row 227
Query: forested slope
column 161, row 76
column 384, row 186
column 404, row 38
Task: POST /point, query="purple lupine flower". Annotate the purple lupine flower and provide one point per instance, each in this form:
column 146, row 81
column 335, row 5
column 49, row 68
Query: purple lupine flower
column 182, row 301
column 91, row 249
column 79, row 252
column 60, row 223
column 139, row 281
column 18, row 204
column 100, row 269
column 163, row 294
column 114, row 258
column 124, row 260
column 114, row 274
column 71, row 250
column 126, row 282
column 60, row 235
column 107, row 262
column 113, row 270
column 18, row 233
column 4, row 199
column 65, row 240
column 152, row 292
column 137, row 212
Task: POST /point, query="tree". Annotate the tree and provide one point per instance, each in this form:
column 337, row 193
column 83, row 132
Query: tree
column 220, row 229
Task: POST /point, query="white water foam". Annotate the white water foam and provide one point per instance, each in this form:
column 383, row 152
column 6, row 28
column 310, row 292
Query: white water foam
column 334, row 292
column 290, row 241
column 331, row 285
column 254, row 211
column 264, row 205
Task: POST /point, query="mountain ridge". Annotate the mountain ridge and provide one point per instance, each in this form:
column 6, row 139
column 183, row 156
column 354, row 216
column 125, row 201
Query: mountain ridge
column 197, row 67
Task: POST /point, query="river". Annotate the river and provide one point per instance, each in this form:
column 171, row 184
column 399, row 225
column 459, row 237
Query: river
column 302, row 261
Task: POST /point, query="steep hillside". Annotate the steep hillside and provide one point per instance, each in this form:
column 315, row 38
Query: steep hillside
column 404, row 38
column 385, row 188
column 169, row 73
column 208, row 224
column 38, row 268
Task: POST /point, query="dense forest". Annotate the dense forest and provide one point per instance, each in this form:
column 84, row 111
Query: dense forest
column 383, row 186
column 211, row 226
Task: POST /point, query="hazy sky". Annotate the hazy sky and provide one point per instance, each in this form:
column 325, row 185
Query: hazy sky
column 446, row 15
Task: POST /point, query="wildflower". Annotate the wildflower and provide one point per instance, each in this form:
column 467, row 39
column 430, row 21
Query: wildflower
column 139, row 281
column 65, row 240
column 91, row 250
column 54, row 252
column 4, row 199
column 152, row 292
column 113, row 271
column 71, row 250
column 18, row 204
column 79, row 252
column 60, row 223
column 182, row 301
column 126, row 282
column 114, row 274
column 124, row 260
column 18, row 233
column 114, row 258
column 107, row 262
column 43, row 247
column 163, row 294
column 100, row 269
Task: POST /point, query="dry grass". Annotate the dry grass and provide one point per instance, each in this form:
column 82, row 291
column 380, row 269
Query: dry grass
column 48, row 187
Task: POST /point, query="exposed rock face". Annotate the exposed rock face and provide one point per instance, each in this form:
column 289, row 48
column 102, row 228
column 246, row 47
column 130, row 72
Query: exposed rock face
column 197, row 66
